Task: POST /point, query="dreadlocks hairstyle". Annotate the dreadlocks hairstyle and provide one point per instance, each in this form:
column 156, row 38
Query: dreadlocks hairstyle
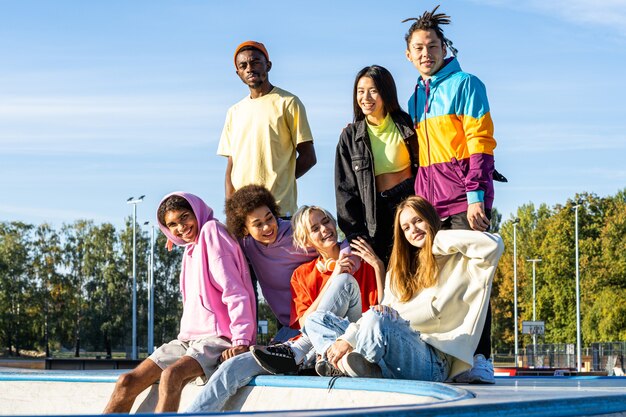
column 430, row 20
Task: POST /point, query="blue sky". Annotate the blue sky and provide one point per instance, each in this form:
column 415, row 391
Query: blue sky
column 103, row 100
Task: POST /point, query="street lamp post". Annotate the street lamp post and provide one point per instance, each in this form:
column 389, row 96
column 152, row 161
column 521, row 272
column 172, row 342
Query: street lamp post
column 151, row 292
column 534, row 261
column 578, row 336
column 515, row 223
column 134, row 202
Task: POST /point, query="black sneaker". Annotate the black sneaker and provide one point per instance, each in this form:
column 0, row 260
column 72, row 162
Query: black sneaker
column 355, row 365
column 325, row 368
column 275, row 359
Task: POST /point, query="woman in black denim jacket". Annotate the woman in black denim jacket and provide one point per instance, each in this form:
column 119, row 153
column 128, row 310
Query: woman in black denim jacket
column 373, row 171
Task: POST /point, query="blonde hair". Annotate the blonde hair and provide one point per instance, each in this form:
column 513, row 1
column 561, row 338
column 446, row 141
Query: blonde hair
column 413, row 269
column 300, row 223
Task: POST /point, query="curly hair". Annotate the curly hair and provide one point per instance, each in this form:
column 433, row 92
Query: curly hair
column 430, row 21
column 244, row 201
column 173, row 202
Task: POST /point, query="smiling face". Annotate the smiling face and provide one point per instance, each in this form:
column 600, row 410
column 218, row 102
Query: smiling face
column 426, row 52
column 261, row 225
column 370, row 101
column 182, row 224
column 322, row 233
column 415, row 229
column 252, row 68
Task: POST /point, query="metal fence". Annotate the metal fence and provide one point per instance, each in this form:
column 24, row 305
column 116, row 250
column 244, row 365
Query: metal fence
column 596, row 357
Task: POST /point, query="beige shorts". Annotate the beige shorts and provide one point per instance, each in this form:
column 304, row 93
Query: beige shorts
column 206, row 351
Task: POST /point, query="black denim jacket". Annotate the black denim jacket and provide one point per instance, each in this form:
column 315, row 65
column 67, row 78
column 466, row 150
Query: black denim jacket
column 355, row 186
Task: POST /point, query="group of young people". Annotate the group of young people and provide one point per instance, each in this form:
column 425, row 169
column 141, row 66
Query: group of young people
column 405, row 295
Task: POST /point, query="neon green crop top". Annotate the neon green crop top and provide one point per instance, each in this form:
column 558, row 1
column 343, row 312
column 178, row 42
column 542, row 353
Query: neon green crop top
column 390, row 153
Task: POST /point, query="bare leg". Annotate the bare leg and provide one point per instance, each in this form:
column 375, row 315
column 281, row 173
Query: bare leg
column 173, row 380
column 131, row 384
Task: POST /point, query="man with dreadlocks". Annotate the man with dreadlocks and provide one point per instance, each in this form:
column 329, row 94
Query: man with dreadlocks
column 450, row 111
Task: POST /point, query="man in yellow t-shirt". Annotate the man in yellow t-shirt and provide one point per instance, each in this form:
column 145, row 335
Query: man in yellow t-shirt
column 266, row 136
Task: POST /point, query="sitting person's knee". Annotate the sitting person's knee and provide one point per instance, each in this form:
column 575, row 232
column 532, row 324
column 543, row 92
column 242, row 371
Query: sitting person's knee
column 345, row 280
column 372, row 319
column 127, row 380
column 173, row 376
column 315, row 318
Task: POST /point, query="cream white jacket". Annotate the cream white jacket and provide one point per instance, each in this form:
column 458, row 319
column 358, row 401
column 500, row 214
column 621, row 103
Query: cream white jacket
column 450, row 315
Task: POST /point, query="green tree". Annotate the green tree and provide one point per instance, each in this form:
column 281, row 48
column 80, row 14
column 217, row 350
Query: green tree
column 104, row 281
column 45, row 268
column 168, row 299
column 76, row 236
column 529, row 230
column 15, row 259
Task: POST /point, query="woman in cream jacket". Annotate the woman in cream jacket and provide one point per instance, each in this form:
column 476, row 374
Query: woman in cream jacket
column 434, row 305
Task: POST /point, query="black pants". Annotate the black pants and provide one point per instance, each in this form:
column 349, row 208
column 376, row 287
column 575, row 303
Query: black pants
column 459, row 221
column 386, row 203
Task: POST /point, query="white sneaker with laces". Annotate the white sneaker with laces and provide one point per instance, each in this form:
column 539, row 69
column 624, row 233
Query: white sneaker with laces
column 480, row 373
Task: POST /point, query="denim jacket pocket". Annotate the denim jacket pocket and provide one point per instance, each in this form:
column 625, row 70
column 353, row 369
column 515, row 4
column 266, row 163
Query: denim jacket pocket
column 361, row 164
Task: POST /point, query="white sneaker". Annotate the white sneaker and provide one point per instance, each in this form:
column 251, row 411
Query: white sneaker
column 355, row 365
column 480, row 373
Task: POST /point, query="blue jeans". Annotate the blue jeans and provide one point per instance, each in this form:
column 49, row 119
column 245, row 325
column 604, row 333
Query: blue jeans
column 341, row 297
column 344, row 306
column 285, row 333
column 384, row 340
column 233, row 374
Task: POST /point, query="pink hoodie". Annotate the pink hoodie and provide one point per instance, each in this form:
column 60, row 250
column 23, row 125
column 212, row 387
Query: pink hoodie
column 218, row 299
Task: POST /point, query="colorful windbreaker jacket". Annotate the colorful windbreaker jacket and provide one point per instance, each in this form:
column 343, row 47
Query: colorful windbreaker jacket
column 455, row 134
column 218, row 299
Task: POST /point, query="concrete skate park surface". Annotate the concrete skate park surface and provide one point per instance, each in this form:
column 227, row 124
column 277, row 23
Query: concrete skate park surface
column 37, row 392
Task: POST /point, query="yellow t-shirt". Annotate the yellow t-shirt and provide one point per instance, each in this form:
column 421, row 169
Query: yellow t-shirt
column 261, row 136
column 388, row 148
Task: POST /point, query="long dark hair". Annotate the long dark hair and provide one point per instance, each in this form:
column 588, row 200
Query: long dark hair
column 386, row 86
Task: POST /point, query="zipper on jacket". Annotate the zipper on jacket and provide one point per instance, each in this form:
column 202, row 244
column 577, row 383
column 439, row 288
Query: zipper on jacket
column 430, row 182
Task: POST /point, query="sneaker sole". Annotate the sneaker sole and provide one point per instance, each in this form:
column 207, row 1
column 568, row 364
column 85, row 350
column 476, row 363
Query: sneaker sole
column 326, row 374
column 474, row 381
column 263, row 365
column 369, row 369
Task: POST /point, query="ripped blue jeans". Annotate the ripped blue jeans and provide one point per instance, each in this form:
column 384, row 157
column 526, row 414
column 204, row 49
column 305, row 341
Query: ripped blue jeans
column 386, row 340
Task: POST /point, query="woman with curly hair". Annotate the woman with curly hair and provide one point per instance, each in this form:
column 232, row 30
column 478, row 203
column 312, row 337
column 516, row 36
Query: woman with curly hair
column 266, row 240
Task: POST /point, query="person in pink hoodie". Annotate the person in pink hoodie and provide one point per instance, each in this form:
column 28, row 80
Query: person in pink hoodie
column 219, row 311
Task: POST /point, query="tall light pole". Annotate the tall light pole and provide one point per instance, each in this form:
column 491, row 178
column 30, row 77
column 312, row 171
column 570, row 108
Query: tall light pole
column 578, row 337
column 515, row 223
column 534, row 261
column 134, row 201
column 151, row 292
